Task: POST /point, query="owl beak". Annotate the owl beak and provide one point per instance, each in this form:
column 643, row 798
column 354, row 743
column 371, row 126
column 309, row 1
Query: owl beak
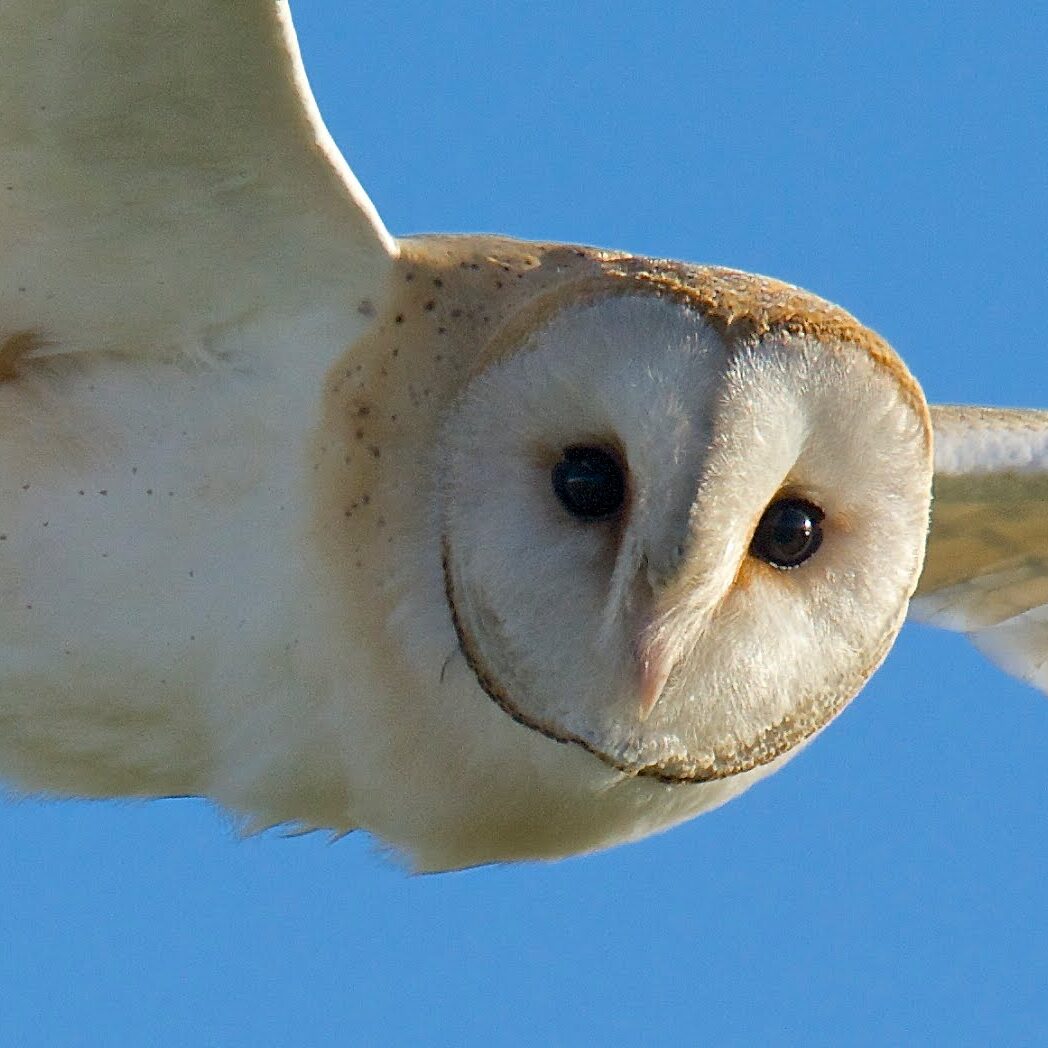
column 655, row 669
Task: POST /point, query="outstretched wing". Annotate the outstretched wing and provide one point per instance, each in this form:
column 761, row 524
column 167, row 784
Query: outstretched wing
column 184, row 246
column 165, row 174
column 986, row 570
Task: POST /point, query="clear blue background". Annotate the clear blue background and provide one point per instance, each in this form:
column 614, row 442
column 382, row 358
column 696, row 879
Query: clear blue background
column 890, row 885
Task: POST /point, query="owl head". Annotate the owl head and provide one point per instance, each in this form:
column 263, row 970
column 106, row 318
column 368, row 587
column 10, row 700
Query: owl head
column 680, row 520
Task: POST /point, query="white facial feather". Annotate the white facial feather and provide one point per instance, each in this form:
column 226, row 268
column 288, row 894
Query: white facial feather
column 749, row 648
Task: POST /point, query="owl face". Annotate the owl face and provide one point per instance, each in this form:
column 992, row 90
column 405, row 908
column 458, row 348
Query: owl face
column 680, row 550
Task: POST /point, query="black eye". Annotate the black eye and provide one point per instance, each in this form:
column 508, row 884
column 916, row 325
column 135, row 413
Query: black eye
column 589, row 482
column 789, row 533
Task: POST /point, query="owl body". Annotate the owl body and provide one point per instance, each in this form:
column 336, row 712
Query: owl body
column 278, row 657
column 498, row 550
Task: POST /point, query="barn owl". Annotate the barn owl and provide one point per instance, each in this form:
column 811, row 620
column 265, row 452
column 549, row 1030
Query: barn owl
column 497, row 550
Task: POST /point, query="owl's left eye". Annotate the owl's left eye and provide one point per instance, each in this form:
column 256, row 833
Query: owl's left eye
column 589, row 482
column 789, row 533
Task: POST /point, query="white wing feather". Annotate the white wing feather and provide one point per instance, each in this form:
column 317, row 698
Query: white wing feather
column 986, row 570
column 164, row 173
column 183, row 257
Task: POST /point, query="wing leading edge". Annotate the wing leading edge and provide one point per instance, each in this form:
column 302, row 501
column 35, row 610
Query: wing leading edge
column 164, row 173
column 986, row 569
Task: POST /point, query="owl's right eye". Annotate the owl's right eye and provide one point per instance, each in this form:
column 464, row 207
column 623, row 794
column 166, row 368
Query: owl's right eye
column 589, row 482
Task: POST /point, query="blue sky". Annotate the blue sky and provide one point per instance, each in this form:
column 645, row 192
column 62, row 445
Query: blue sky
column 889, row 885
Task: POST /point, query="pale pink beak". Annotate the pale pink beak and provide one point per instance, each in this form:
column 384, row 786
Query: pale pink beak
column 655, row 669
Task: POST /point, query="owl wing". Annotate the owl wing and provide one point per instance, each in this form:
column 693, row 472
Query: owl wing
column 986, row 568
column 165, row 173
